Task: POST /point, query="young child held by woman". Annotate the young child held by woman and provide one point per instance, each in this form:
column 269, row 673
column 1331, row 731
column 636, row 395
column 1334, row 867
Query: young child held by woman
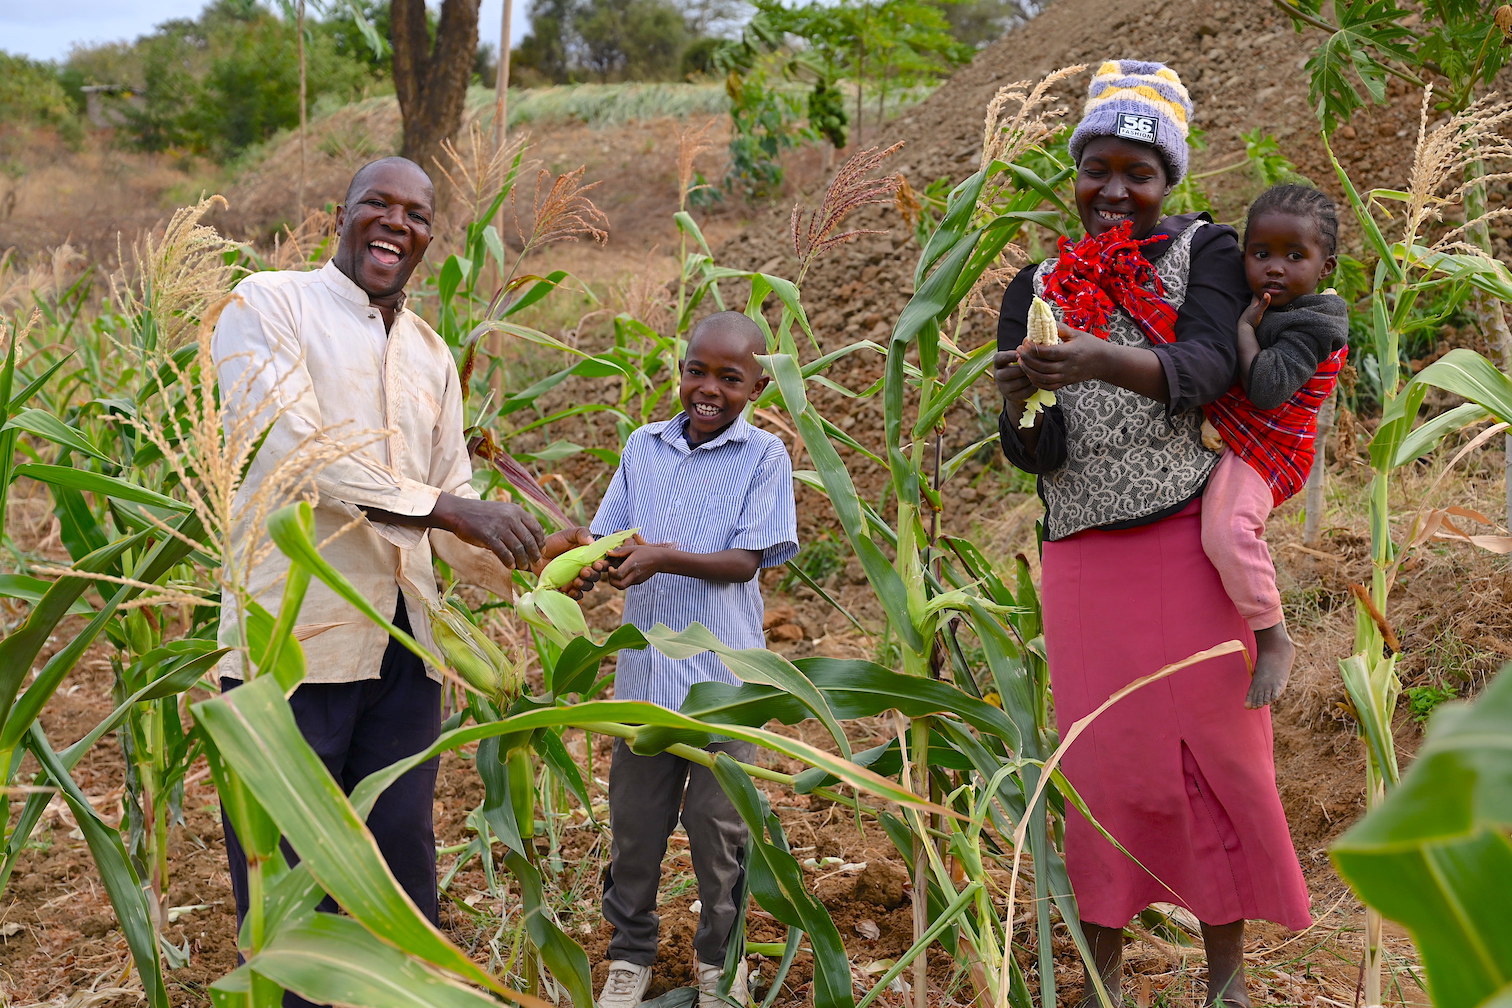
column 713, row 499
column 1292, row 342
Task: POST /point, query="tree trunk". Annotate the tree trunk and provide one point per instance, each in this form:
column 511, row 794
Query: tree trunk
column 431, row 79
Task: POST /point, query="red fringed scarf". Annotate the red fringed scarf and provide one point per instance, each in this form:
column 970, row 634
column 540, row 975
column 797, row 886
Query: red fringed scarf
column 1098, row 275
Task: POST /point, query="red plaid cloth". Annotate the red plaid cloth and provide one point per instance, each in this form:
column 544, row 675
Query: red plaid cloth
column 1098, row 275
column 1277, row 443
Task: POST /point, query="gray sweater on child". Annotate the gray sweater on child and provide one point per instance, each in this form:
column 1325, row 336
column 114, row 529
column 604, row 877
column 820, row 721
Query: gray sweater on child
column 1294, row 340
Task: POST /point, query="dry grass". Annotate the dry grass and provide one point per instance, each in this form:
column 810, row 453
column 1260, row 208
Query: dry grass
column 48, row 275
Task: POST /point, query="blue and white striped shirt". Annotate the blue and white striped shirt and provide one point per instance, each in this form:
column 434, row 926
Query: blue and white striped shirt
column 734, row 492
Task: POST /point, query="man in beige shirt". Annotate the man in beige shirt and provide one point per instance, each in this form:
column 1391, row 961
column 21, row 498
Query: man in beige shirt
column 337, row 369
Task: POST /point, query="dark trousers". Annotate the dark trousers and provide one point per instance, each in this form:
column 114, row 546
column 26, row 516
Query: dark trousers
column 647, row 795
column 357, row 728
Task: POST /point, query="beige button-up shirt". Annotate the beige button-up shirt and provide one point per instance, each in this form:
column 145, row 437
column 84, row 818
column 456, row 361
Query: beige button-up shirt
column 382, row 411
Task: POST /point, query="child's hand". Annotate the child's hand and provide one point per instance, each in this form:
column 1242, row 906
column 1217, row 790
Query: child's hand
column 1256, row 310
column 634, row 563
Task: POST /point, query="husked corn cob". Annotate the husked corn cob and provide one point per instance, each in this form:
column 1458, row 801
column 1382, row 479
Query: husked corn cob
column 470, row 652
column 562, row 569
column 1042, row 331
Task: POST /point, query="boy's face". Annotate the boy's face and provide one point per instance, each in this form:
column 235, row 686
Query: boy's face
column 719, row 376
column 1284, row 257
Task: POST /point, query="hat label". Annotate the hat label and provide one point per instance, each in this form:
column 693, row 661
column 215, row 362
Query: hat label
column 1137, row 127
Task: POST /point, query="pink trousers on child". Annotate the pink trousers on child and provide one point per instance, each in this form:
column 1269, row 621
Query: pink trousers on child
column 1234, row 508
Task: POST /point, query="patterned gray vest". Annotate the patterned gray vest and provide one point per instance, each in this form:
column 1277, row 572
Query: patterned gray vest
column 1125, row 458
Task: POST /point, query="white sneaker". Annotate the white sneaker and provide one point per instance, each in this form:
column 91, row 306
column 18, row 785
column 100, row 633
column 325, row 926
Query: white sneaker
column 625, row 986
column 709, row 976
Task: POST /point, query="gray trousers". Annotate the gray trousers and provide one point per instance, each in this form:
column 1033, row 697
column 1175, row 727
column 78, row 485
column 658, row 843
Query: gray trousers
column 647, row 794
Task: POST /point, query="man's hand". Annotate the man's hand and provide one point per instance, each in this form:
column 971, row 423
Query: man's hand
column 503, row 528
column 560, row 542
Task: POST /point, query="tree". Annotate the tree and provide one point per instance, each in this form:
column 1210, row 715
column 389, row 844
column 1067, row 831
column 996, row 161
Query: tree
column 980, row 23
column 430, row 77
column 630, row 39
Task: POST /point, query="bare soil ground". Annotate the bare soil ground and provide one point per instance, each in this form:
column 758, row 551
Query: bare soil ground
column 58, row 942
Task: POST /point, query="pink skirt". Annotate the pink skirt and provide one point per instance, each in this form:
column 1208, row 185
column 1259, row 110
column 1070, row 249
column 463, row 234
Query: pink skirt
column 1178, row 771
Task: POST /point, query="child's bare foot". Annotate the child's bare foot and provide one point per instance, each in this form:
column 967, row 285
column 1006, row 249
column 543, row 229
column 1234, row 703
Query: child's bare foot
column 1274, row 655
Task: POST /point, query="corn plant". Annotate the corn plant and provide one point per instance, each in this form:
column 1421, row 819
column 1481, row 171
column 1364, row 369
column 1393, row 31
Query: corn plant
column 1409, row 275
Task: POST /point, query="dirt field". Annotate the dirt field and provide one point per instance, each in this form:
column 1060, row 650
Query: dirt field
column 58, row 942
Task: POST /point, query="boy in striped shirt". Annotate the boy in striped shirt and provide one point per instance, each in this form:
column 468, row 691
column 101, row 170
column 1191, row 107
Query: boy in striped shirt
column 713, row 499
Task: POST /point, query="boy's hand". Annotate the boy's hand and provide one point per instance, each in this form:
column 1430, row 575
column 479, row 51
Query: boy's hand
column 560, row 542
column 635, row 562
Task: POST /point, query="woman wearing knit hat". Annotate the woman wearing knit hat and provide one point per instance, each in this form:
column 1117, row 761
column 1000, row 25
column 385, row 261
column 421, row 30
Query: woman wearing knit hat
column 1180, row 772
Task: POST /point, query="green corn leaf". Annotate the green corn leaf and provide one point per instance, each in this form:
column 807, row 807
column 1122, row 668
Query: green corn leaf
column 310, row 809
column 1466, row 373
column 330, row 959
column 128, row 897
column 1426, row 437
column 776, row 881
column 1436, row 857
column 45, row 425
column 31, row 589
column 752, row 665
column 290, row 529
column 99, row 483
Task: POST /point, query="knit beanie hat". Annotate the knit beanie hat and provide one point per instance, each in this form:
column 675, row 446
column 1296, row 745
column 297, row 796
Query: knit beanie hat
column 1143, row 102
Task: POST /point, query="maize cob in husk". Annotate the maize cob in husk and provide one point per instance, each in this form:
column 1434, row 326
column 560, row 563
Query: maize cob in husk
column 561, row 570
column 474, row 656
column 557, row 616
column 1041, row 331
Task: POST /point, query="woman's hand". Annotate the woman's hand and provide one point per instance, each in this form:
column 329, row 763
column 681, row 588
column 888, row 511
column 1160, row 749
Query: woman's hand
column 1078, row 357
column 1013, row 385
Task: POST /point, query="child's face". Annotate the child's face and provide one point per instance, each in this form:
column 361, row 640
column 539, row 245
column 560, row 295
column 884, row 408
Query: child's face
column 719, row 376
column 1284, row 257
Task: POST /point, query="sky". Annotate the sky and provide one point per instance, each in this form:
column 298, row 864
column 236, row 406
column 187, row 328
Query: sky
column 47, row 29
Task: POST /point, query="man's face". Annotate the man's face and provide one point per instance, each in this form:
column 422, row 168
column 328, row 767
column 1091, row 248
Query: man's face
column 385, row 228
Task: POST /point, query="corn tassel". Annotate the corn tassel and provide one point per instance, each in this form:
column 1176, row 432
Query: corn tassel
column 1041, row 331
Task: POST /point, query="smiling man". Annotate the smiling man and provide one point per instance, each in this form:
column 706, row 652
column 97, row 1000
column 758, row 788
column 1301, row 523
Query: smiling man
column 347, row 380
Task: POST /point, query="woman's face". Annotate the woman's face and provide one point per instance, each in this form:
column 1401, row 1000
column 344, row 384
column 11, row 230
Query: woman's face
column 1119, row 180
